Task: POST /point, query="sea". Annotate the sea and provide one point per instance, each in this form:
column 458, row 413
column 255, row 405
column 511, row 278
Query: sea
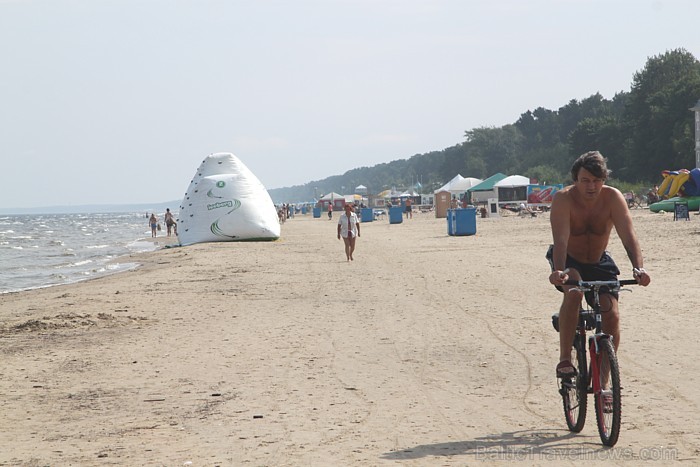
column 43, row 250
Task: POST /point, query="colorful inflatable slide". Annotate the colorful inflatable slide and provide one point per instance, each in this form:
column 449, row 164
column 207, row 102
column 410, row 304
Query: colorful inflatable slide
column 679, row 186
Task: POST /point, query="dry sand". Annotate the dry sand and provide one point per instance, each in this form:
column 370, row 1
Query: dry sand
column 426, row 350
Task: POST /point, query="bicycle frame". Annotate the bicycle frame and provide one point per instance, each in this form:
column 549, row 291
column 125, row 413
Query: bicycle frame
column 593, row 376
column 593, row 348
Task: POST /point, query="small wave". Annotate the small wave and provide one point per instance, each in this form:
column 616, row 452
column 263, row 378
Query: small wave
column 68, row 246
column 141, row 246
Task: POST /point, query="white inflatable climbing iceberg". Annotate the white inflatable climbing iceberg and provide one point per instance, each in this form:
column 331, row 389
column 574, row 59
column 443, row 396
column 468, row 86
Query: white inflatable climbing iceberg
column 226, row 202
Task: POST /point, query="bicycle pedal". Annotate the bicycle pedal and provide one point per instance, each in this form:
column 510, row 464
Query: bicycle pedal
column 566, row 384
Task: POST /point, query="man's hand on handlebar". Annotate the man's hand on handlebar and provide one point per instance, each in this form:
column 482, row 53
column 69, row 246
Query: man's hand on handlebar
column 559, row 277
column 642, row 276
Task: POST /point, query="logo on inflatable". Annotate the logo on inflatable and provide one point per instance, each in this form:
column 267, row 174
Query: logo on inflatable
column 220, row 204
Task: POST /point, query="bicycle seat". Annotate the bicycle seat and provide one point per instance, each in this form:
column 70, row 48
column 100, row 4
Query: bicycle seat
column 586, row 318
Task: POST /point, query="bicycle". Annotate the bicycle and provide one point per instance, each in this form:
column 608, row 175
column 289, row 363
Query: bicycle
column 602, row 371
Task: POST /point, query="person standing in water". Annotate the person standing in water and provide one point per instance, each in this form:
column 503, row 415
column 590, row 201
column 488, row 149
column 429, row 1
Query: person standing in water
column 153, row 220
column 170, row 221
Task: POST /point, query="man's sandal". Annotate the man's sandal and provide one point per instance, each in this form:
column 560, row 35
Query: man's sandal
column 566, row 370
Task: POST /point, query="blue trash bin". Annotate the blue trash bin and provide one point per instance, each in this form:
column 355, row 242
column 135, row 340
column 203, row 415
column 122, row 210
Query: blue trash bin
column 395, row 215
column 366, row 215
column 303, row 209
column 317, row 213
column 450, row 217
column 464, row 221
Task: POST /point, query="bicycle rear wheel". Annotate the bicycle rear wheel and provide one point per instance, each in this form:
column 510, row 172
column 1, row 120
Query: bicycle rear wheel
column 574, row 391
column 608, row 403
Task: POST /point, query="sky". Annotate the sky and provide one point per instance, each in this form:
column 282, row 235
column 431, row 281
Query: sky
column 119, row 101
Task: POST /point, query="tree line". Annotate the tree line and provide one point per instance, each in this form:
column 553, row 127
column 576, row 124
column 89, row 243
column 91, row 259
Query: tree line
column 642, row 132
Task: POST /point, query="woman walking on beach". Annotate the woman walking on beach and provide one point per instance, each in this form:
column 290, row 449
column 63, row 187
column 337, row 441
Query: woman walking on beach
column 349, row 229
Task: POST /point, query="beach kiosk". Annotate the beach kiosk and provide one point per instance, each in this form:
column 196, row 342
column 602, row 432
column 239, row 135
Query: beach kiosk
column 442, row 203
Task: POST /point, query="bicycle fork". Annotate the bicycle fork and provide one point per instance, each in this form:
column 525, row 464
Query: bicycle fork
column 594, row 375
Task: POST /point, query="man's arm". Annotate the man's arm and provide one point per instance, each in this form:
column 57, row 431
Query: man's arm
column 622, row 220
column 560, row 218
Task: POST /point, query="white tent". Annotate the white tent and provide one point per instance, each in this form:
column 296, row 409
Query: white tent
column 332, row 196
column 512, row 189
column 512, row 181
column 446, row 186
column 459, row 184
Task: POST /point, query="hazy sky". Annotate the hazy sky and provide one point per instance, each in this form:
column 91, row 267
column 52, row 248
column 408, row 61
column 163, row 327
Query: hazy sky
column 118, row 101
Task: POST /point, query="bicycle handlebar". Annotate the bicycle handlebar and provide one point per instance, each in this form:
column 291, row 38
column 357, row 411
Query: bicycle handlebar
column 591, row 284
column 629, row 282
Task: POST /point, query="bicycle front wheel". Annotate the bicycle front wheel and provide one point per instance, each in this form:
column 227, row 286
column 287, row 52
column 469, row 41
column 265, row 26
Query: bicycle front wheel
column 574, row 391
column 608, row 402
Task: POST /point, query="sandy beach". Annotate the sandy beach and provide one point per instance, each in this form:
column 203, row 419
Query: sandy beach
column 426, row 350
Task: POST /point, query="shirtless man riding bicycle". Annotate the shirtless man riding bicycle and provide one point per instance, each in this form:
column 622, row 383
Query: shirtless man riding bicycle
column 582, row 217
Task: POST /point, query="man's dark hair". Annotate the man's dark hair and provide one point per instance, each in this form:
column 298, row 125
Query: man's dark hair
column 594, row 162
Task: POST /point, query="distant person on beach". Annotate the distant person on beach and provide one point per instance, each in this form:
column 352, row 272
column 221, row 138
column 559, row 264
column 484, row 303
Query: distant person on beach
column 582, row 217
column 653, row 195
column 169, row 221
column 525, row 210
column 153, row 220
column 330, row 211
column 408, row 209
column 349, row 229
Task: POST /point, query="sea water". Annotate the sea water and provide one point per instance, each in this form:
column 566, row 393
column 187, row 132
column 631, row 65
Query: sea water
column 42, row 250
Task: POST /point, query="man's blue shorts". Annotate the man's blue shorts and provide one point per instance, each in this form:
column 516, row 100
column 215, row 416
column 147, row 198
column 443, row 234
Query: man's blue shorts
column 603, row 270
